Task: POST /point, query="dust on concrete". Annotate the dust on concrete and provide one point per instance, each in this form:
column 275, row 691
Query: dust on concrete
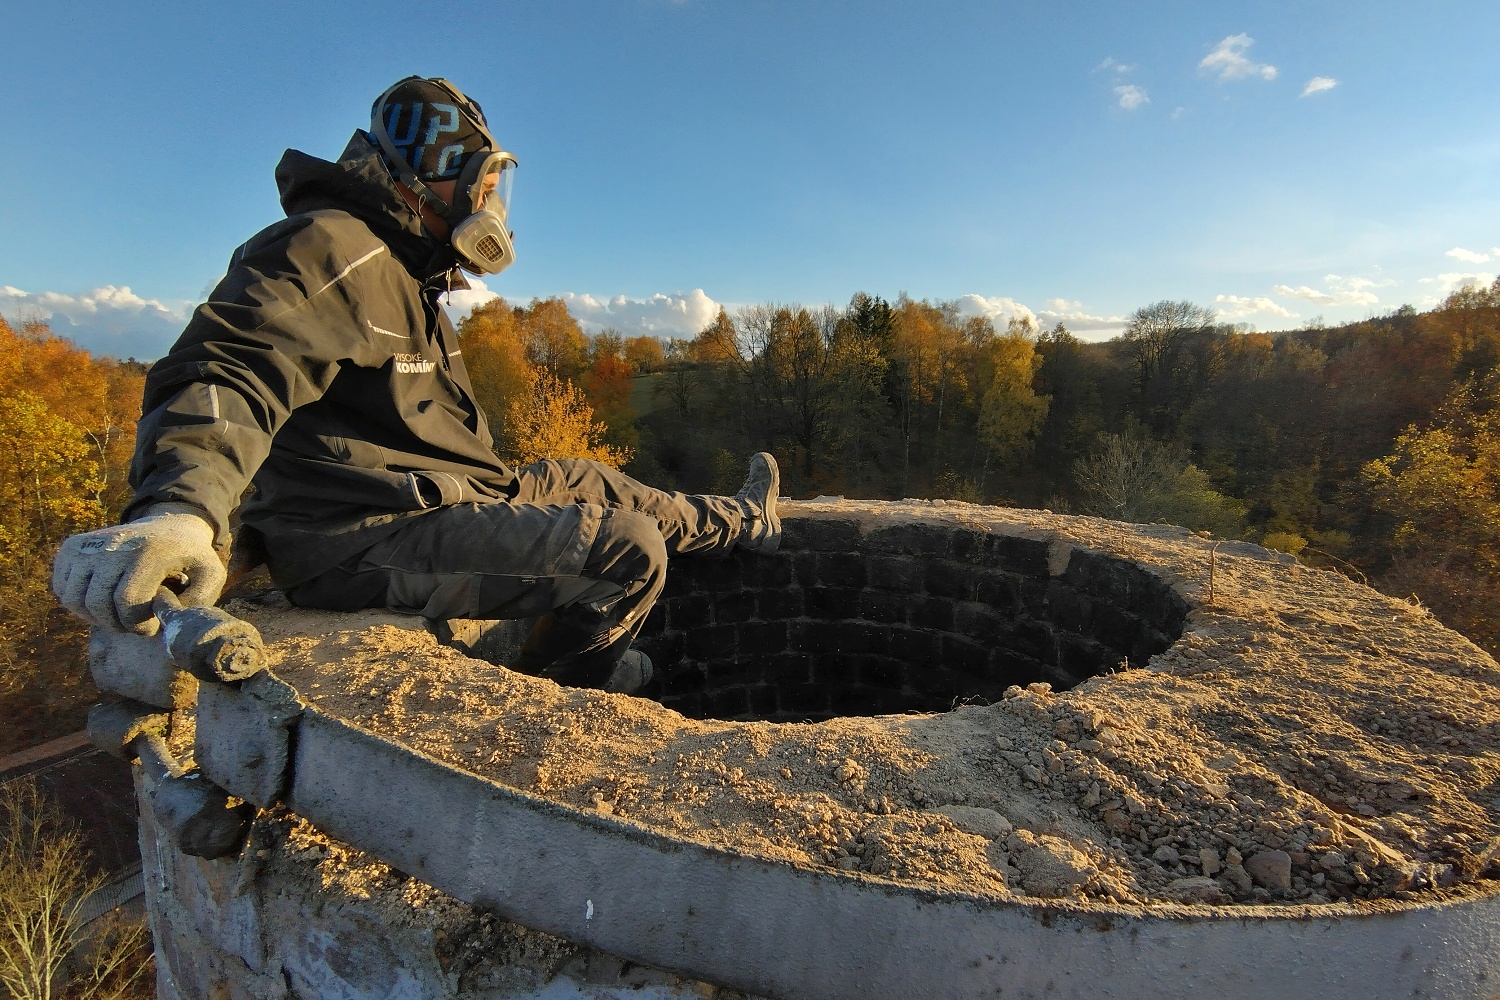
column 478, row 952
column 1307, row 741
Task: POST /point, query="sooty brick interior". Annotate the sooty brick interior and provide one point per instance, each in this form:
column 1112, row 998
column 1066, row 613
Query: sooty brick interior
column 898, row 618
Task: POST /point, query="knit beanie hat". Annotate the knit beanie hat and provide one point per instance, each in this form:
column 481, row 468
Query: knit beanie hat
column 432, row 133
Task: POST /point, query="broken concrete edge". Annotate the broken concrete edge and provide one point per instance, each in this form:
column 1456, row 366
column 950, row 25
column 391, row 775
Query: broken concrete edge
column 696, row 908
column 1104, row 915
column 254, row 757
column 241, row 739
column 268, row 926
column 793, row 931
column 244, row 734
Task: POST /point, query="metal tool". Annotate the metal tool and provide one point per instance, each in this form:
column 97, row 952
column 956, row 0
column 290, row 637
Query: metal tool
column 191, row 808
column 209, row 643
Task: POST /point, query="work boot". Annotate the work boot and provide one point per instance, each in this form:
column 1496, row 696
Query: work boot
column 573, row 653
column 760, row 531
column 631, row 674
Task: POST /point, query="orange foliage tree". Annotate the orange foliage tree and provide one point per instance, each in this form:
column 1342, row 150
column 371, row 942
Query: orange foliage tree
column 68, row 423
column 1440, row 488
column 495, row 356
column 1011, row 413
column 645, row 354
column 515, row 357
column 552, row 338
column 553, row 420
column 608, row 384
column 933, row 356
column 608, row 379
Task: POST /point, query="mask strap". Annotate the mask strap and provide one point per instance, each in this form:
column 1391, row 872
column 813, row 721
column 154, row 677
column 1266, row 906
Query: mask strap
column 455, row 213
column 393, row 156
column 473, row 170
column 470, row 109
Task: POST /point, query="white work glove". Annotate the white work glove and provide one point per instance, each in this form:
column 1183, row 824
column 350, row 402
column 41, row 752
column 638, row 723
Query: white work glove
column 108, row 577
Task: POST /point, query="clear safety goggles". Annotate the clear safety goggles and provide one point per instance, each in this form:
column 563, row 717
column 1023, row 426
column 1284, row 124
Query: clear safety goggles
column 479, row 218
column 473, row 192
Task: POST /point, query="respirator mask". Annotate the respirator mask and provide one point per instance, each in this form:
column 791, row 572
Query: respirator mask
column 477, row 217
column 480, row 237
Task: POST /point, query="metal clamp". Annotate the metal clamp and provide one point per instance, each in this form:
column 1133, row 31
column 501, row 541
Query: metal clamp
column 194, row 811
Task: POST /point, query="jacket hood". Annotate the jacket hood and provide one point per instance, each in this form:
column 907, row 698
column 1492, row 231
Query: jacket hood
column 360, row 184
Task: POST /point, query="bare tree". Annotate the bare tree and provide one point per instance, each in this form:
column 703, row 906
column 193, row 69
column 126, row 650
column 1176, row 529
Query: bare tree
column 791, row 372
column 43, row 886
column 1156, row 331
column 1129, row 477
column 1125, row 477
column 676, row 384
column 1156, row 337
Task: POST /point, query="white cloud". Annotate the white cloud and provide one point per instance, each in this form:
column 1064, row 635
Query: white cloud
column 1339, row 282
column 1454, row 280
column 1110, row 63
column 1131, row 96
column 1308, row 293
column 108, row 320
column 999, row 308
column 461, row 303
column 1178, row 112
column 1229, row 61
column 1342, row 291
column 1238, row 307
column 1318, row 84
column 682, row 315
column 1076, row 318
column 1467, row 256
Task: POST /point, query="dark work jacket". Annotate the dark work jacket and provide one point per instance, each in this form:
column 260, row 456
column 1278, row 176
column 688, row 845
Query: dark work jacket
column 322, row 371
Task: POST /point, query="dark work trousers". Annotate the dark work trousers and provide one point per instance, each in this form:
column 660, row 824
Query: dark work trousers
column 582, row 545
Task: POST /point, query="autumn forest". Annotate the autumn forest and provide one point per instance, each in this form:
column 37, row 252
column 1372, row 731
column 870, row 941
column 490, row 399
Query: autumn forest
column 1371, row 449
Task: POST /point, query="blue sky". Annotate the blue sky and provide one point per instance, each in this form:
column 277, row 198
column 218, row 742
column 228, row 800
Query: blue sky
column 1277, row 161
